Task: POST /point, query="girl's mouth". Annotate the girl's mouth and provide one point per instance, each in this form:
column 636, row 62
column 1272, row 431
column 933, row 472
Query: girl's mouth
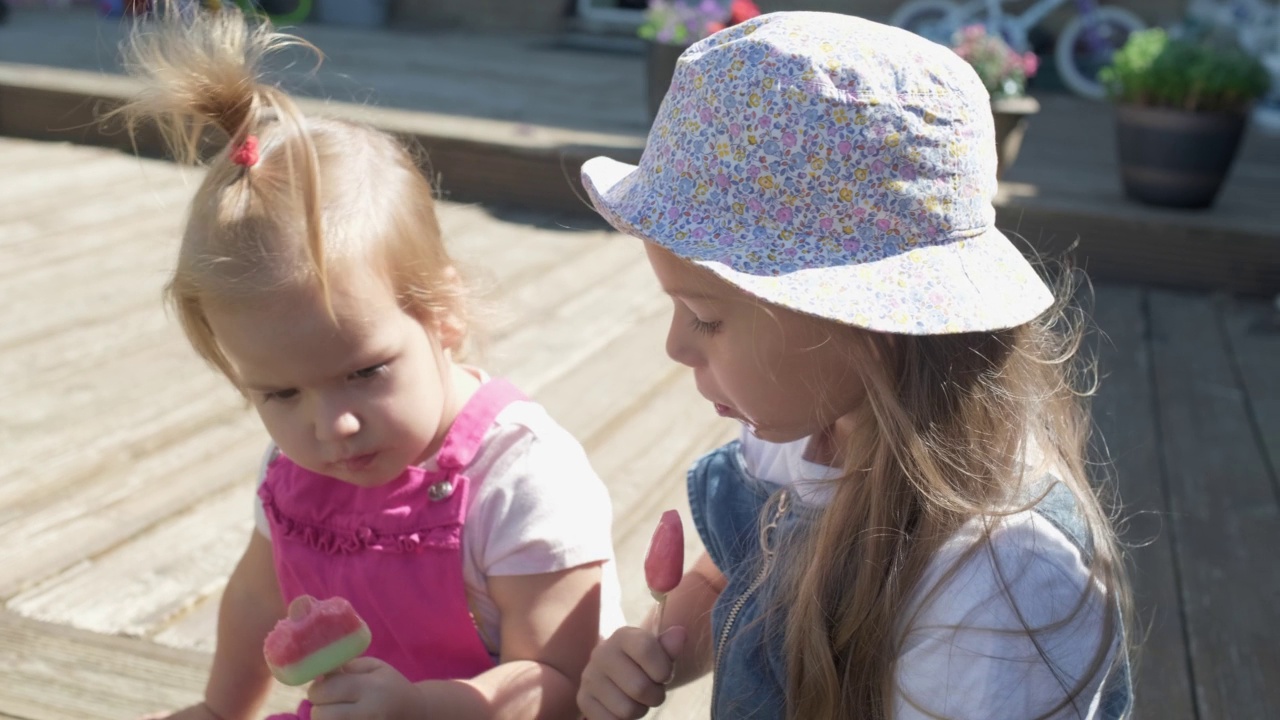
column 358, row 462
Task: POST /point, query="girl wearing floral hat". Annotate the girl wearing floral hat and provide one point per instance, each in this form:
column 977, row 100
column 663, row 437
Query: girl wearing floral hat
column 906, row 527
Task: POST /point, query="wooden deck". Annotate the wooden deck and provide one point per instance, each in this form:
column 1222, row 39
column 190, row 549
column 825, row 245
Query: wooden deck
column 126, row 477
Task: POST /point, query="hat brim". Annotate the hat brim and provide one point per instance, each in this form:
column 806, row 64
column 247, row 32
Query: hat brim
column 971, row 284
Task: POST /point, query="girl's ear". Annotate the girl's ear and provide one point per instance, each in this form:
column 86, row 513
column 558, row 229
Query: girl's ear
column 449, row 326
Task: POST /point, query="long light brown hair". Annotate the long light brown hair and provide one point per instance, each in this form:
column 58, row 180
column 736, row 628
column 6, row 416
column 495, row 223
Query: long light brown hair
column 947, row 424
column 324, row 196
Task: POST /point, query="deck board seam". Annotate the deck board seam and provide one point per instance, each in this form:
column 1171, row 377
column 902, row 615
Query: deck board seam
column 1166, row 490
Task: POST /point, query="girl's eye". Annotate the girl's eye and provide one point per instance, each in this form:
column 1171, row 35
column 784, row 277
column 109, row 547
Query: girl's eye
column 369, row 372
column 702, row 327
column 279, row 395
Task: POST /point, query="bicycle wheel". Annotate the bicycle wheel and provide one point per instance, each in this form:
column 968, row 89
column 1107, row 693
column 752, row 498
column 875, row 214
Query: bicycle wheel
column 1086, row 45
column 936, row 20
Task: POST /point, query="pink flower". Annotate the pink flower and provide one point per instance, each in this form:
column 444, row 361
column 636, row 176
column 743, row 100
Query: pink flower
column 845, row 147
column 722, row 180
column 783, row 215
column 735, row 129
column 1030, row 64
column 789, row 139
column 826, row 224
column 883, row 224
column 742, row 11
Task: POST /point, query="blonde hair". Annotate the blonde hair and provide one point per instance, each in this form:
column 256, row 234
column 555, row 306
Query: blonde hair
column 948, row 420
column 323, row 196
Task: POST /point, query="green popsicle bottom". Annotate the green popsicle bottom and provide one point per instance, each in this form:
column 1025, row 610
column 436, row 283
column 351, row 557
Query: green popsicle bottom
column 326, row 659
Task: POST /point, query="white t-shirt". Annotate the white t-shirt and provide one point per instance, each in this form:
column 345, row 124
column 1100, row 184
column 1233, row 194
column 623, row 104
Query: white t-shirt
column 966, row 655
column 536, row 506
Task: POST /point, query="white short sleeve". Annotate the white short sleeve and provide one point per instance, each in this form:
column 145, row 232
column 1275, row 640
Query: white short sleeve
column 967, row 656
column 539, row 506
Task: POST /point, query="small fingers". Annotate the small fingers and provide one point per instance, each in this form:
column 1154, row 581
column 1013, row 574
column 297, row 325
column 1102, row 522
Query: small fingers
column 643, row 649
column 606, row 701
column 332, row 689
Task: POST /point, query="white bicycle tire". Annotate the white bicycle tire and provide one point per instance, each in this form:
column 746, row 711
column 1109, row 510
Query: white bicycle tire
column 1064, row 55
column 909, row 15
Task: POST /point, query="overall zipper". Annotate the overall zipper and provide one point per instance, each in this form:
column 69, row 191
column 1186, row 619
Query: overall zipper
column 766, row 546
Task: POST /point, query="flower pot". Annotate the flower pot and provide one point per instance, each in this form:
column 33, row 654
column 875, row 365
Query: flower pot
column 1012, row 115
column 1175, row 158
column 660, row 65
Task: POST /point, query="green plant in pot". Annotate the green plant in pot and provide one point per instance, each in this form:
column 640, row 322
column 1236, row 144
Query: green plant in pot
column 1182, row 107
column 1004, row 71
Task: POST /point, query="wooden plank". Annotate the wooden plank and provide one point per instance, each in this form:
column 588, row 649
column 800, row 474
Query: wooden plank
column 1124, row 413
column 1253, row 330
column 56, row 358
column 157, row 575
column 124, row 499
column 51, row 672
column 195, row 629
column 123, row 271
column 60, row 433
column 535, row 354
column 1226, row 524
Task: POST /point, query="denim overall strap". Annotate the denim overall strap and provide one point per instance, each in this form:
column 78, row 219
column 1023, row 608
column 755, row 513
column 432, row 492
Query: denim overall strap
column 1058, row 506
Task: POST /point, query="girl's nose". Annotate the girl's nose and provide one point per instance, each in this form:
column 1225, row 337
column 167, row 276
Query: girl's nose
column 338, row 425
column 680, row 346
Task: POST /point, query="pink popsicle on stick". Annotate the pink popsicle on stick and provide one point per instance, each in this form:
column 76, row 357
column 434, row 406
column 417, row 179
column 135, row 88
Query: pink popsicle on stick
column 664, row 563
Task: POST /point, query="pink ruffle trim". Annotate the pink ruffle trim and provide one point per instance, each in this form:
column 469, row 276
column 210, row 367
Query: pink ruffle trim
column 336, row 542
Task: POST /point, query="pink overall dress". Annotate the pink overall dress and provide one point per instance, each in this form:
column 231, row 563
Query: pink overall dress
column 394, row 551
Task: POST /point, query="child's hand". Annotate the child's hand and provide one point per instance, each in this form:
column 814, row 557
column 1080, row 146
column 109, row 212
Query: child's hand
column 195, row 712
column 365, row 689
column 628, row 673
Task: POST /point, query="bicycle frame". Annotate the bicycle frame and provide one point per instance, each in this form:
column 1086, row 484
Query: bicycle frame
column 997, row 21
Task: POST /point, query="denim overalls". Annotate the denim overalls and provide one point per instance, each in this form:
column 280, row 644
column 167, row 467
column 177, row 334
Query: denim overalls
column 750, row 673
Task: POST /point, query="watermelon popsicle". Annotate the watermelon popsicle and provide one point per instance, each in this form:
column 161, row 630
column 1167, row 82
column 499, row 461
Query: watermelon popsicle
column 317, row 637
column 664, row 562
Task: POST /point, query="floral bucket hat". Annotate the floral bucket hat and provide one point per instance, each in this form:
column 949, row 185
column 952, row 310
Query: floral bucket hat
column 833, row 166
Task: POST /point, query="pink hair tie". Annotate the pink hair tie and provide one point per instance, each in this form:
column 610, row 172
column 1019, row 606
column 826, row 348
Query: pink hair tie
column 246, row 153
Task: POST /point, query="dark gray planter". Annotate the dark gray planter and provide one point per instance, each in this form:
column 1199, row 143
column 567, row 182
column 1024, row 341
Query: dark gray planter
column 1176, row 158
column 660, row 65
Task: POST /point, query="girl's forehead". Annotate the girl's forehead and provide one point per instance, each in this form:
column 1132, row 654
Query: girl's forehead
column 682, row 278
column 359, row 307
